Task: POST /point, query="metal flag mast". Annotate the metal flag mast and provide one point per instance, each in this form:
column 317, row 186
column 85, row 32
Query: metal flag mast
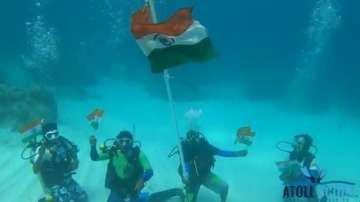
column 170, row 97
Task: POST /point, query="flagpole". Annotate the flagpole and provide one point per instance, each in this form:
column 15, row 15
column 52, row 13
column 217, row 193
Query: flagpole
column 173, row 112
column 170, row 97
column 152, row 10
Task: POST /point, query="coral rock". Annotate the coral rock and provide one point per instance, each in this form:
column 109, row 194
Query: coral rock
column 20, row 106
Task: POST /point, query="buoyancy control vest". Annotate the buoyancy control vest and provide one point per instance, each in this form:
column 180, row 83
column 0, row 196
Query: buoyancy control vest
column 134, row 171
column 58, row 163
column 305, row 159
column 199, row 155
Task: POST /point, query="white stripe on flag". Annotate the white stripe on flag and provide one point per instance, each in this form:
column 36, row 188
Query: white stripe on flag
column 193, row 35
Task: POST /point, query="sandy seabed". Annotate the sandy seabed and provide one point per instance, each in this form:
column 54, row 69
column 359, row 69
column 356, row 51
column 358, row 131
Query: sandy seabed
column 251, row 179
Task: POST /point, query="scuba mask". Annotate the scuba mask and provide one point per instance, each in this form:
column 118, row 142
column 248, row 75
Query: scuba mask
column 124, row 141
column 123, row 144
column 51, row 135
column 301, row 143
column 50, row 131
column 193, row 136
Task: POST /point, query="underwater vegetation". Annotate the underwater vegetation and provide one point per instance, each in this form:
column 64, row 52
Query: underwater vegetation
column 19, row 106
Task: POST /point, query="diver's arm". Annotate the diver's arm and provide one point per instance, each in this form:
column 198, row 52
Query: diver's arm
column 94, row 155
column 313, row 165
column 225, row 153
column 314, row 170
column 148, row 174
column 36, row 167
column 38, row 159
column 148, row 171
column 186, row 174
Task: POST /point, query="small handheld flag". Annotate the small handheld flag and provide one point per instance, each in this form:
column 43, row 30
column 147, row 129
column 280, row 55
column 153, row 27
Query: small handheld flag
column 95, row 117
column 245, row 135
column 31, row 130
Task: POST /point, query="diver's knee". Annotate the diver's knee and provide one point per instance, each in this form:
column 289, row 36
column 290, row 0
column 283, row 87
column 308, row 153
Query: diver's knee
column 224, row 189
column 223, row 192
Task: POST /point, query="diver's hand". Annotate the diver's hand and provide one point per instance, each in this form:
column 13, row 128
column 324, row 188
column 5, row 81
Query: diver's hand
column 47, row 198
column 185, row 178
column 92, row 140
column 139, row 185
column 243, row 153
column 41, row 151
column 289, row 176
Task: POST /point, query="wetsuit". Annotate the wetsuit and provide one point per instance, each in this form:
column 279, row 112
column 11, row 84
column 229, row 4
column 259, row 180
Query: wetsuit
column 123, row 172
column 200, row 158
column 304, row 173
column 55, row 167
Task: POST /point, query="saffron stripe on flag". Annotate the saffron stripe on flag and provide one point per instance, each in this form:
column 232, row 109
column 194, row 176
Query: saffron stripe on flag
column 194, row 34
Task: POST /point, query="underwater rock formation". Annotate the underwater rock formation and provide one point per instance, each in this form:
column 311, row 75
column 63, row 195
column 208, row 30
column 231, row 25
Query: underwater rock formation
column 19, row 106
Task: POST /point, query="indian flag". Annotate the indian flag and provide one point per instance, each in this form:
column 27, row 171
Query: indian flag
column 178, row 40
column 31, row 130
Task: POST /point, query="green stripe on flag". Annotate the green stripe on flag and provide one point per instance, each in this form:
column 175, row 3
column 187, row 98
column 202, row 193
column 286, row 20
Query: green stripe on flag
column 161, row 59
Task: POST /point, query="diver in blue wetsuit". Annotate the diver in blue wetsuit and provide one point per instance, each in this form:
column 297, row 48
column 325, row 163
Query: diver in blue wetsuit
column 199, row 156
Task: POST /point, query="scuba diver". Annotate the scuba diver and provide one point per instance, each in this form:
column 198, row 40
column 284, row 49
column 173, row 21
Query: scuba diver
column 300, row 169
column 199, row 161
column 56, row 161
column 127, row 171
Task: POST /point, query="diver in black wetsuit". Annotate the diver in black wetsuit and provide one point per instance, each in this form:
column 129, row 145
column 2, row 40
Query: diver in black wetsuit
column 199, row 161
column 302, row 169
column 56, row 162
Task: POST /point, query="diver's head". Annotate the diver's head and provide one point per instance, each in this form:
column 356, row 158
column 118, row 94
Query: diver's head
column 50, row 131
column 302, row 143
column 193, row 136
column 124, row 141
